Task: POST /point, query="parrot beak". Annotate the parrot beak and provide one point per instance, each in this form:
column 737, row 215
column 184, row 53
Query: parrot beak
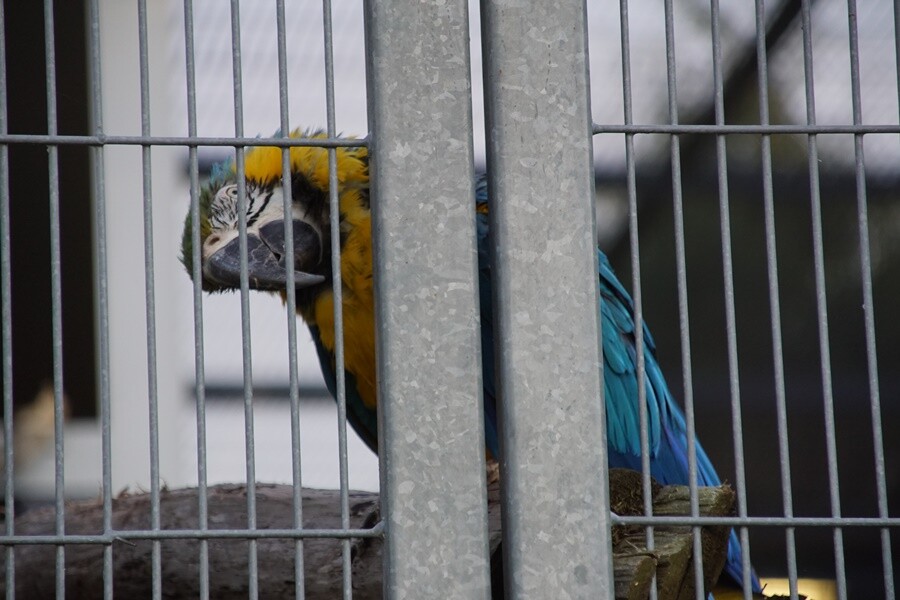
column 266, row 264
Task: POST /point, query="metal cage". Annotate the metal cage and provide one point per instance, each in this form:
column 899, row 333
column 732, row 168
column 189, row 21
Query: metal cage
column 721, row 168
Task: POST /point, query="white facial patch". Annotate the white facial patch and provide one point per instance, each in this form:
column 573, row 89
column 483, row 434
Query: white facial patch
column 263, row 206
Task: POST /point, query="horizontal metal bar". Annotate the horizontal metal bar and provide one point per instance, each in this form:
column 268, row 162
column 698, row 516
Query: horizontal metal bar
column 240, row 142
column 660, row 521
column 745, row 129
column 149, row 140
column 378, row 529
column 192, row 534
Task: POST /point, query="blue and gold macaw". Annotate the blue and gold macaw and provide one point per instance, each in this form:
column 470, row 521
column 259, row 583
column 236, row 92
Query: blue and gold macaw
column 315, row 301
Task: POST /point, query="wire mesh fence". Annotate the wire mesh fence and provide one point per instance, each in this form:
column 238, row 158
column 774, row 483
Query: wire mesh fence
column 744, row 161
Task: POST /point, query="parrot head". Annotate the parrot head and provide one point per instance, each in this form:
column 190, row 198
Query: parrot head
column 309, row 215
column 264, row 208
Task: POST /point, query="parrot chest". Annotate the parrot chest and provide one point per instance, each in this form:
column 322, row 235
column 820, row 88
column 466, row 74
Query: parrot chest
column 359, row 340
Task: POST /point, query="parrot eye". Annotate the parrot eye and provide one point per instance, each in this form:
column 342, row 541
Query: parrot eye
column 223, row 209
column 226, row 193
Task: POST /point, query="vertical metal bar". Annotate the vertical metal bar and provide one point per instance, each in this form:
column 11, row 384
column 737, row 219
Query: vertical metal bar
column 291, row 301
column 431, row 424
column 101, row 293
column 646, row 489
column 55, row 298
column 775, row 313
column 868, row 300
column 150, row 300
column 197, row 277
column 250, row 448
column 337, row 286
column 897, row 48
column 681, row 277
column 6, row 324
column 890, row 590
column 725, row 224
column 730, row 319
column 821, row 298
column 546, row 301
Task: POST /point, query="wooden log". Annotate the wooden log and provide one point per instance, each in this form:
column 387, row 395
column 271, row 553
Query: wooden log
column 675, row 501
column 228, row 559
column 633, row 575
column 634, row 564
column 673, row 546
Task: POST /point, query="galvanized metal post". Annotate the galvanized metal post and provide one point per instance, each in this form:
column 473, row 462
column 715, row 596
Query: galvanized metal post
column 429, row 364
column 556, row 505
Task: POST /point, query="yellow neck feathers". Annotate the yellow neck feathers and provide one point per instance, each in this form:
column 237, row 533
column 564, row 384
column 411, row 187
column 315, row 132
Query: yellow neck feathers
column 263, row 164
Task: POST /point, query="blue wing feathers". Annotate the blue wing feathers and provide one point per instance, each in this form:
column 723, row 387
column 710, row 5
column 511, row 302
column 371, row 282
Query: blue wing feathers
column 667, row 430
column 667, row 427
